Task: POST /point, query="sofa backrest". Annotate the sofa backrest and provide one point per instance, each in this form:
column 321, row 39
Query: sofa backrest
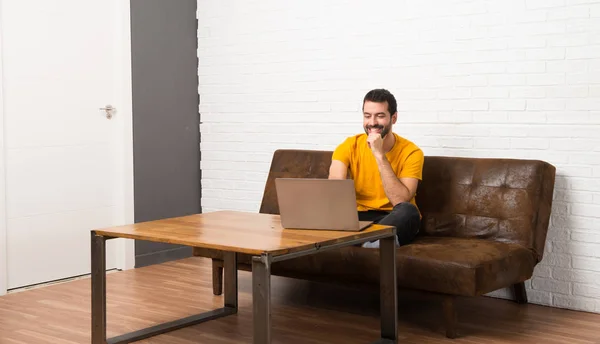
column 290, row 163
column 506, row 200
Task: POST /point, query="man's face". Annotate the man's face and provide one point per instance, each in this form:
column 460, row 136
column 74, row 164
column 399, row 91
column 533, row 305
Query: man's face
column 377, row 119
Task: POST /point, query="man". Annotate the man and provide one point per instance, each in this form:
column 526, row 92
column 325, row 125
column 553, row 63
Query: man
column 385, row 167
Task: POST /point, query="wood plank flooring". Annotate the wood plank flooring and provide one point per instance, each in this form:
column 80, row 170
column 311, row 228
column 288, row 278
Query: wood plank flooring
column 303, row 312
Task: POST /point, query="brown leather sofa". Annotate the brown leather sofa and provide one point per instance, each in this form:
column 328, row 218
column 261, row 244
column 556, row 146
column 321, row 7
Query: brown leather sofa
column 484, row 228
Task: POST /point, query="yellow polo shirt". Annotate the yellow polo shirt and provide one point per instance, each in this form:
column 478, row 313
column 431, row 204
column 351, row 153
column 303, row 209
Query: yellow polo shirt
column 405, row 158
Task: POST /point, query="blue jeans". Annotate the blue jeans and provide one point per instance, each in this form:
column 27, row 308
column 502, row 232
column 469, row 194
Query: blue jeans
column 405, row 217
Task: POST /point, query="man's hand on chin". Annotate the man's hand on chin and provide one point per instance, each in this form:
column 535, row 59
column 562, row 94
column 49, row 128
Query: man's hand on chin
column 375, row 142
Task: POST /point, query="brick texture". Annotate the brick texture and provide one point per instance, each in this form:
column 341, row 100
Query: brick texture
column 516, row 78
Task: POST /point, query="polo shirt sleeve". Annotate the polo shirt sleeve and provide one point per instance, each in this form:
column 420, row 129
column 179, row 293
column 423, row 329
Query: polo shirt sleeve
column 413, row 165
column 342, row 152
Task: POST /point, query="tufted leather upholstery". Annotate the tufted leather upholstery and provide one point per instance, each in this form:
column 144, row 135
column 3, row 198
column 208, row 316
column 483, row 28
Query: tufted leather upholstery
column 293, row 164
column 505, row 200
column 484, row 225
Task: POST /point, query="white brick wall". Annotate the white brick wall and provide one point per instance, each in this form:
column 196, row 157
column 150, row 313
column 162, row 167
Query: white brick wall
column 488, row 78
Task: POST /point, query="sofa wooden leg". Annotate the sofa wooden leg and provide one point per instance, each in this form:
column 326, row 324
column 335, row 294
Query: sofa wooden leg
column 217, row 276
column 450, row 316
column 520, row 293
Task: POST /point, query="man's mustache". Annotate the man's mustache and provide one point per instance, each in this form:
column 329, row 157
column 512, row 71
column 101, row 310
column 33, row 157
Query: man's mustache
column 375, row 127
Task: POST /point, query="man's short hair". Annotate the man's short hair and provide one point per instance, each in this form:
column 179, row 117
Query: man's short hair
column 381, row 95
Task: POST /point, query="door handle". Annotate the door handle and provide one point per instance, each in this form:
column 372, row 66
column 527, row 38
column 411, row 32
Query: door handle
column 109, row 111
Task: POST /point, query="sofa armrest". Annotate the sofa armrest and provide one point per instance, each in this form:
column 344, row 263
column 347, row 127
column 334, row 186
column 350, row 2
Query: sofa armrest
column 544, row 211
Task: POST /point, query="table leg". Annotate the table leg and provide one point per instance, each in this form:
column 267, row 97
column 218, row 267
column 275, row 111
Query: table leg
column 388, row 291
column 231, row 280
column 98, row 247
column 98, row 259
column 261, row 298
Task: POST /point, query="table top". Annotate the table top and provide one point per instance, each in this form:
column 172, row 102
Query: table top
column 235, row 231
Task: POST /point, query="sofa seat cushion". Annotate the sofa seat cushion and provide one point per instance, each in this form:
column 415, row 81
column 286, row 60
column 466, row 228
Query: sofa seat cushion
column 463, row 266
column 457, row 266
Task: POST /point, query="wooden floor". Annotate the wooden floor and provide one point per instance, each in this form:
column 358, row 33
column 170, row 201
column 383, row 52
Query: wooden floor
column 302, row 312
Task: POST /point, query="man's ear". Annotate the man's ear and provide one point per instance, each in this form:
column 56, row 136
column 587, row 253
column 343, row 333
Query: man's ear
column 394, row 117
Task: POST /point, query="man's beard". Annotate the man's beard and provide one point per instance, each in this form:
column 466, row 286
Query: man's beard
column 384, row 130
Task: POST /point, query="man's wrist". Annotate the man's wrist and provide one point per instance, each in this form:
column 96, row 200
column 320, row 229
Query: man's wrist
column 380, row 157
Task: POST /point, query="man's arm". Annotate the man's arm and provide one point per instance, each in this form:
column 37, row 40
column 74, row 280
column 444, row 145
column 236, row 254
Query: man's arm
column 397, row 190
column 337, row 170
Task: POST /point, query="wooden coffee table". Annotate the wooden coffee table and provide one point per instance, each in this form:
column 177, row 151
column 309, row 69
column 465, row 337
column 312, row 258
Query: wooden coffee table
column 260, row 235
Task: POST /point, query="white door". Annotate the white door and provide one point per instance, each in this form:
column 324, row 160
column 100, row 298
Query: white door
column 68, row 167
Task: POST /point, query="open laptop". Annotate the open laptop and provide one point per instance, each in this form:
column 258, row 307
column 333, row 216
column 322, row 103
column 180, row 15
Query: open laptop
column 327, row 204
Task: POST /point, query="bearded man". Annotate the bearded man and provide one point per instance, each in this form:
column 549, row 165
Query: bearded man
column 386, row 169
